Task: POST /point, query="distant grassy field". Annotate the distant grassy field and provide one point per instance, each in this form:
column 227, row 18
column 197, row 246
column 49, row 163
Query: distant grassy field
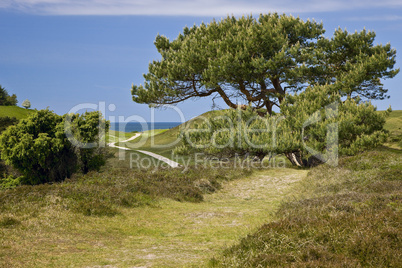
column 15, row 111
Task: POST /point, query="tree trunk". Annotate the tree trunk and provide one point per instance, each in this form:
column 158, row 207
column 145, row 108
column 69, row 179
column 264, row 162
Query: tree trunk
column 295, row 158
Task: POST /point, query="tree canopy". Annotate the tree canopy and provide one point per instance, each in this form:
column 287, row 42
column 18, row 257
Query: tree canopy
column 259, row 61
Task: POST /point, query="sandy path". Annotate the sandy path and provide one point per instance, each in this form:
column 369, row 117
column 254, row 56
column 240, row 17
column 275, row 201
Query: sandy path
column 171, row 163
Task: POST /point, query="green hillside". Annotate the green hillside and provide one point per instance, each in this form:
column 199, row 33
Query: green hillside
column 15, row 111
column 169, row 137
column 394, row 122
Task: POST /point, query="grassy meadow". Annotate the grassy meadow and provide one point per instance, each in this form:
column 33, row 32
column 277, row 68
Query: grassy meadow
column 15, row 111
column 125, row 216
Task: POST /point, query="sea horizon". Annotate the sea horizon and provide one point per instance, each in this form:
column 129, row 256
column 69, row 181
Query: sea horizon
column 140, row 127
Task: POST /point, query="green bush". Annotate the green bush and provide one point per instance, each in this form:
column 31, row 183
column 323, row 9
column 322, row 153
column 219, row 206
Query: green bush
column 39, row 148
column 87, row 134
column 6, row 121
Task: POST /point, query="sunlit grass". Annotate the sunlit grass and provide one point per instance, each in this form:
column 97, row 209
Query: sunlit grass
column 15, row 111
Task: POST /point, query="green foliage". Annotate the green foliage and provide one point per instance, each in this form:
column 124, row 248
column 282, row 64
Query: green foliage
column 318, row 118
column 354, row 59
column 26, row 104
column 6, row 121
column 40, row 149
column 6, row 99
column 260, row 60
column 351, row 218
column 10, row 182
column 88, row 137
column 303, row 130
column 263, row 61
column 234, row 132
column 232, row 58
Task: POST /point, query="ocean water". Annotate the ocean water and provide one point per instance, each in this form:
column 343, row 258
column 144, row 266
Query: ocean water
column 136, row 126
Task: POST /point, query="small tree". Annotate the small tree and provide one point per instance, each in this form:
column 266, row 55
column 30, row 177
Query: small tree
column 261, row 61
column 26, row 104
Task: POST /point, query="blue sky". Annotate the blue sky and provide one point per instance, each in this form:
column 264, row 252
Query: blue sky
column 62, row 53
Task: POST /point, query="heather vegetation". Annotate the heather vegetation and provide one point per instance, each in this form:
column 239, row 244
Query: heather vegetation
column 348, row 216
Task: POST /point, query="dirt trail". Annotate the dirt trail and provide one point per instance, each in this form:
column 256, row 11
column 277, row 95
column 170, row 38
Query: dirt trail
column 185, row 234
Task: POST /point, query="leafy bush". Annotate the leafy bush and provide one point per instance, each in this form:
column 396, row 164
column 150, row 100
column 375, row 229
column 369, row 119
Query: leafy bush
column 5, row 122
column 88, row 138
column 39, row 148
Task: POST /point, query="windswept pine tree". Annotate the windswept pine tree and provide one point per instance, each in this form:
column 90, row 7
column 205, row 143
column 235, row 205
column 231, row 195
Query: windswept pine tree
column 265, row 61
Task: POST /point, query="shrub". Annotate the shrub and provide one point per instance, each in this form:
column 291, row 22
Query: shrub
column 87, row 134
column 39, row 148
column 5, row 122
